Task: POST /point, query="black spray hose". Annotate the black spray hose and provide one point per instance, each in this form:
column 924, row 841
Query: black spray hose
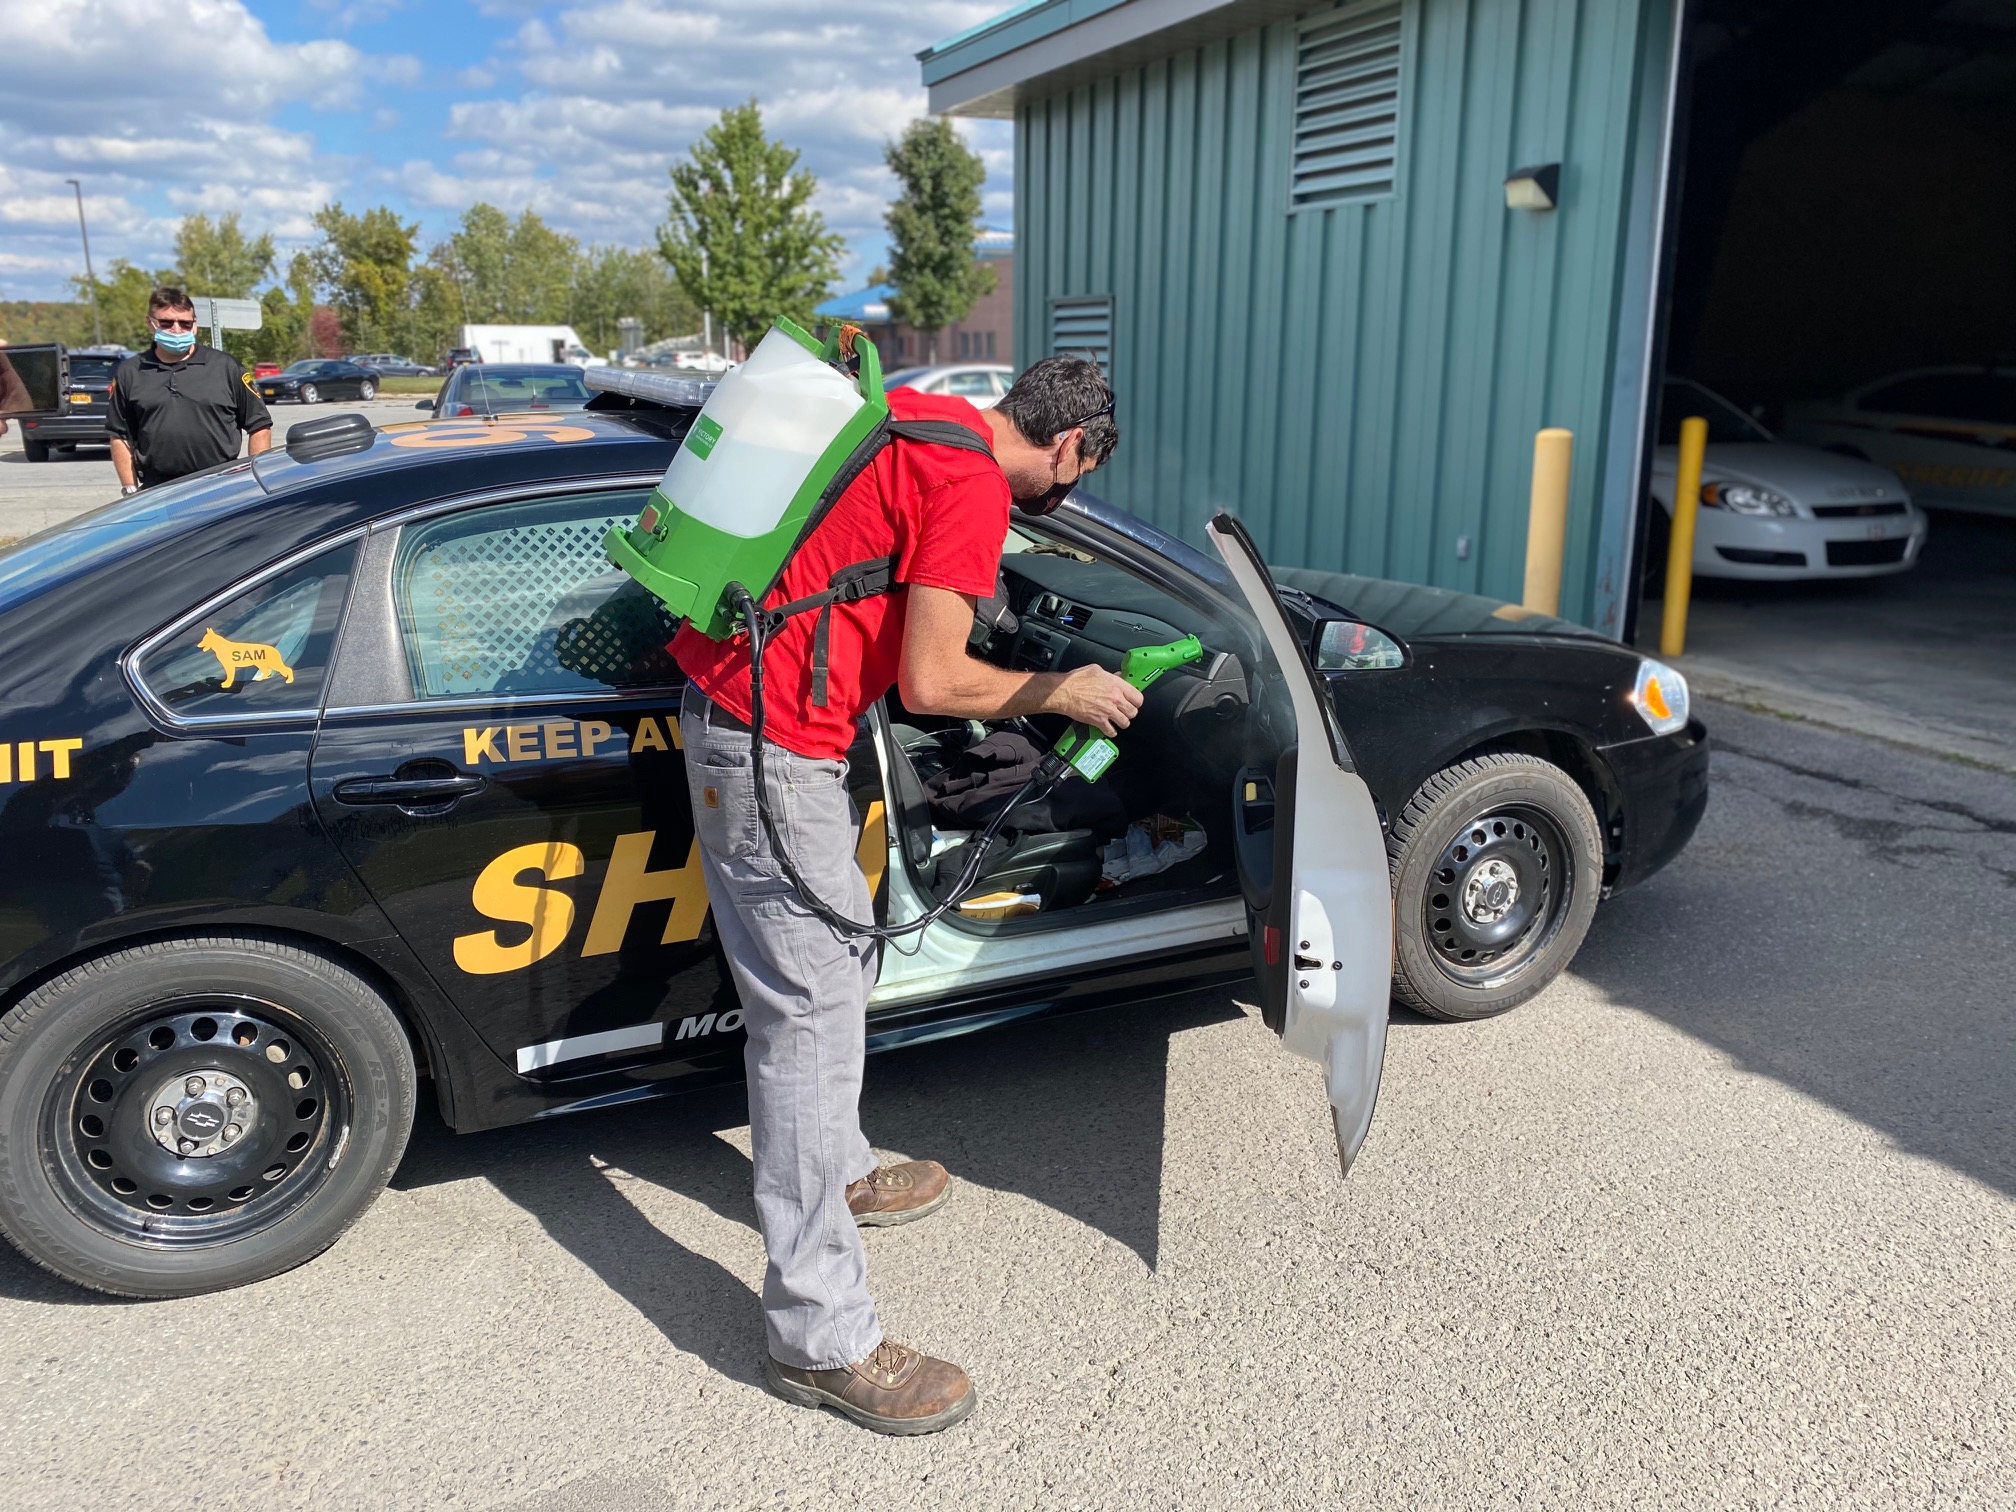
column 759, row 627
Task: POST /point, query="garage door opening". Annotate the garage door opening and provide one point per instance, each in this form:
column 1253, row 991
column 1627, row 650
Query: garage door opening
column 1842, row 309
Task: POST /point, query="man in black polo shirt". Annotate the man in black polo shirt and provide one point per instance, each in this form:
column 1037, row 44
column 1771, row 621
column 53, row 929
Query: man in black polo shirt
column 178, row 407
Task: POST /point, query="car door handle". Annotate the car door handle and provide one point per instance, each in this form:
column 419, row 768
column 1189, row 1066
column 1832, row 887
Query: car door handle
column 410, row 792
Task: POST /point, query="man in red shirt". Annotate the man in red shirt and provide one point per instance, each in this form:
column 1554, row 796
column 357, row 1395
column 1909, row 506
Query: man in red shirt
column 941, row 512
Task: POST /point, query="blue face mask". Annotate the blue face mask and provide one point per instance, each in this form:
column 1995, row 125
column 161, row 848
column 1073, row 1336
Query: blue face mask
column 175, row 341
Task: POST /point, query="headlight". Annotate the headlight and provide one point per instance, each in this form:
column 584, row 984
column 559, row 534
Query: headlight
column 1660, row 697
column 1745, row 498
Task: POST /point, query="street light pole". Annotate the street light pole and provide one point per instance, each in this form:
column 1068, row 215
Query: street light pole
column 90, row 278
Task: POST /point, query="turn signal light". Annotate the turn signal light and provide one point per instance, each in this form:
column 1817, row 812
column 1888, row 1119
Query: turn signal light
column 1660, row 697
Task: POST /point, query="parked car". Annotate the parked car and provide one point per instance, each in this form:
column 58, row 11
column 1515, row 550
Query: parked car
column 356, row 762
column 496, row 388
column 1948, row 432
column 981, row 382
column 391, row 365
column 456, row 356
column 1773, row 511
column 265, row 369
column 82, row 421
column 314, row 379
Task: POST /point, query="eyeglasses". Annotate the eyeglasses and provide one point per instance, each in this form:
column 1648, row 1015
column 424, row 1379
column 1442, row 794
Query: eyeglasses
column 165, row 324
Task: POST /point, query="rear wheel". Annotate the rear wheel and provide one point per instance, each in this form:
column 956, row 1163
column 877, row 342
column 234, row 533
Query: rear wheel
column 310, row 394
column 34, row 450
column 1496, row 864
column 190, row 1115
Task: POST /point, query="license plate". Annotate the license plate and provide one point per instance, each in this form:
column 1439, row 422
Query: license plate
column 80, row 398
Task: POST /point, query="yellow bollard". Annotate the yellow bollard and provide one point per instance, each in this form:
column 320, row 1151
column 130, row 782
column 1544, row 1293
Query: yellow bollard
column 1680, row 554
column 1547, row 520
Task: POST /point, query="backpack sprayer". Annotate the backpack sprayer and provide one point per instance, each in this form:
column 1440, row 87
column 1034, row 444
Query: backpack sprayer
column 777, row 443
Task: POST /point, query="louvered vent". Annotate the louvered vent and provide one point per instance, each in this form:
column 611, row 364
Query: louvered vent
column 1347, row 107
column 1083, row 328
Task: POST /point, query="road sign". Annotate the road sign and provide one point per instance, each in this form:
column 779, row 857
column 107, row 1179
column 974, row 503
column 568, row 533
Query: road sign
column 228, row 314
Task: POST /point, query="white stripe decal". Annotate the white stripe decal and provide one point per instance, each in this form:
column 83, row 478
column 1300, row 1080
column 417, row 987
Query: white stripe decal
column 636, row 1037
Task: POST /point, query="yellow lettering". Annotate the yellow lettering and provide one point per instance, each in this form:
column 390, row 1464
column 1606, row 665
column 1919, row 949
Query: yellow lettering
column 872, row 853
column 557, row 732
column 593, row 733
column 522, row 741
column 476, row 744
column 648, row 737
column 629, row 884
column 26, row 760
column 59, row 755
column 6, row 762
column 498, row 894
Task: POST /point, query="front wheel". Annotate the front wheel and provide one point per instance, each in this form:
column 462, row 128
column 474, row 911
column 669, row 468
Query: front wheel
column 310, row 394
column 195, row 1114
column 1496, row 864
column 367, row 390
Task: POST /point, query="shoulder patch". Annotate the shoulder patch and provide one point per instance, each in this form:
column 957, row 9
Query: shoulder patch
column 245, row 378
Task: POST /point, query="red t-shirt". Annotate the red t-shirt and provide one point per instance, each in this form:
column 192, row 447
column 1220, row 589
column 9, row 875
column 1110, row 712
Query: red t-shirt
column 941, row 512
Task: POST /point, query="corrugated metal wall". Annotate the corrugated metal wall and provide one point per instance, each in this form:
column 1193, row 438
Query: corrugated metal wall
column 1362, row 383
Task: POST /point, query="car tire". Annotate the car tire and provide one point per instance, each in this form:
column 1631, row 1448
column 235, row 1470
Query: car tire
column 367, row 390
column 34, row 450
column 309, row 394
column 1496, row 865
column 187, row 1035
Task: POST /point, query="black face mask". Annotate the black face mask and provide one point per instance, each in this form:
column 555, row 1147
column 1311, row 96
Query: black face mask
column 1048, row 500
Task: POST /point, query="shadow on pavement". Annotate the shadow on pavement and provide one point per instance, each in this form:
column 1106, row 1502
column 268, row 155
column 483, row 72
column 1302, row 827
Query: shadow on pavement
column 1840, row 925
column 1067, row 1112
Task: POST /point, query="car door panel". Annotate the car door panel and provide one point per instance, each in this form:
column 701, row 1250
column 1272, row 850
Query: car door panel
column 1312, row 863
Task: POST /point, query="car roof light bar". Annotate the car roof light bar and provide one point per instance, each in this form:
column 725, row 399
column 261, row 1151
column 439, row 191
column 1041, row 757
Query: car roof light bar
column 649, row 388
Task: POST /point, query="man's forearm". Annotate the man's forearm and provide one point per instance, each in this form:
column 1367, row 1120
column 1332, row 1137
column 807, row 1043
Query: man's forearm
column 976, row 689
column 261, row 440
column 122, row 462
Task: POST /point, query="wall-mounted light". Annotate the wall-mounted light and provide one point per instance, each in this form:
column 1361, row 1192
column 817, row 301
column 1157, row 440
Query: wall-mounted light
column 1534, row 188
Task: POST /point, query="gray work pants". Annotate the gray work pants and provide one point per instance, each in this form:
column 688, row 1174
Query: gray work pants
column 804, row 1004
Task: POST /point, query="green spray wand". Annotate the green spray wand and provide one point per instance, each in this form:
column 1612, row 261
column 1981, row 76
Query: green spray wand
column 1087, row 752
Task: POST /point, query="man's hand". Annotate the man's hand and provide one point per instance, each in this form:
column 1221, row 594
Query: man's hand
column 937, row 676
column 1092, row 695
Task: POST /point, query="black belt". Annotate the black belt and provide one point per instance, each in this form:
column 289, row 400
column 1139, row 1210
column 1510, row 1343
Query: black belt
column 710, row 713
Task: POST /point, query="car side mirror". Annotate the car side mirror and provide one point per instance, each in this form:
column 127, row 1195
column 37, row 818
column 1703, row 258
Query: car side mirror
column 1340, row 645
column 426, row 404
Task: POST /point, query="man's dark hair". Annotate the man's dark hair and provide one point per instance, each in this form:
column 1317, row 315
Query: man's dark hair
column 1057, row 393
column 169, row 297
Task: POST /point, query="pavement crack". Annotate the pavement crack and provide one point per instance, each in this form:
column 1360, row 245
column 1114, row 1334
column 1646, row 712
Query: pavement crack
column 1946, row 806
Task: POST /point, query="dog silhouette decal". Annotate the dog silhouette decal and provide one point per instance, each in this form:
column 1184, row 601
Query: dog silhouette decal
column 242, row 656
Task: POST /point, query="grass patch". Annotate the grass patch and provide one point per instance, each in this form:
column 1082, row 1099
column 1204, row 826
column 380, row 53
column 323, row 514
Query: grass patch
column 418, row 386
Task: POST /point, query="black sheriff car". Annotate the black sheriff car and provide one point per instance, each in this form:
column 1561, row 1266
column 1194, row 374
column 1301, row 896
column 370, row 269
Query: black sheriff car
column 356, row 766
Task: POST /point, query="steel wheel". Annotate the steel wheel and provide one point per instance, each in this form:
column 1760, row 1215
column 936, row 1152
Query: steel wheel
column 367, row 390
column 309, row 394
column 1500, row 890
column 198, row 1122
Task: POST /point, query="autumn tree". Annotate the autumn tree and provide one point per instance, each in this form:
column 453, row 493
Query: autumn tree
column 931, row 229
column 742, row 238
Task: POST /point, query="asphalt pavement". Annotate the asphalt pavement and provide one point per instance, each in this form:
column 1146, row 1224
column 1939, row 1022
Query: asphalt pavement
column 1724, row 1219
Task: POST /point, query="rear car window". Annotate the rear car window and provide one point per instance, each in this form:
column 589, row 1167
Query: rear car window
column 92, row 369
column 265, row 652
column 1990, row 397
column 518, row 599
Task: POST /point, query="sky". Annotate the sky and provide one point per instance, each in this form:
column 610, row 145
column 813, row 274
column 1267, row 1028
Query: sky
column 163, row 108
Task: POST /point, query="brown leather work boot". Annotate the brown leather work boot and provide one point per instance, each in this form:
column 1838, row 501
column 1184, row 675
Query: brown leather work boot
column 894, row 1390
column 899, row 1194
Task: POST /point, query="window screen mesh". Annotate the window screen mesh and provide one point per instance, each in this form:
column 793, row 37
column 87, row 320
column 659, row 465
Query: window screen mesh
column 521, row 598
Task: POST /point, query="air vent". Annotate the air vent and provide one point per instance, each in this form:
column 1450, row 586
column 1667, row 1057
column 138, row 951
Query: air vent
column 1347, row 107
column 1083, row 328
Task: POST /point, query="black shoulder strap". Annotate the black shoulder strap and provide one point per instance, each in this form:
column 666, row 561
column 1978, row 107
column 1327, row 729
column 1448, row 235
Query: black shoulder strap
column 865, row 579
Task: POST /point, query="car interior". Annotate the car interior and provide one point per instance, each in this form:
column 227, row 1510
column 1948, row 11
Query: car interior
column 1156, row 826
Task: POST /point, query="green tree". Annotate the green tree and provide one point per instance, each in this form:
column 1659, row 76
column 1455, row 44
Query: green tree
column 741, row 237
column 122, row 300
column 615, row 283
column 217, row 258
column 931, row 228
column 285, row 309
column 477, row 257
column 518, row 272
column 363, row 263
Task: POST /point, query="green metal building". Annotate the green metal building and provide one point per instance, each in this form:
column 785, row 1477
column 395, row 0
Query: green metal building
column 1287, row 230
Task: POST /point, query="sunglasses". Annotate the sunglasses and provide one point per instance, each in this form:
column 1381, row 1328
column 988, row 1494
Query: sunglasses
column 164, row 324
column 1104, row 409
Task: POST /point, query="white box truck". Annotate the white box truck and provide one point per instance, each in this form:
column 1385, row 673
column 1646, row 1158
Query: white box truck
column 529, row 343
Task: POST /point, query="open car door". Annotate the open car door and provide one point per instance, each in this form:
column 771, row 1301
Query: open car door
column 1312, row 864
